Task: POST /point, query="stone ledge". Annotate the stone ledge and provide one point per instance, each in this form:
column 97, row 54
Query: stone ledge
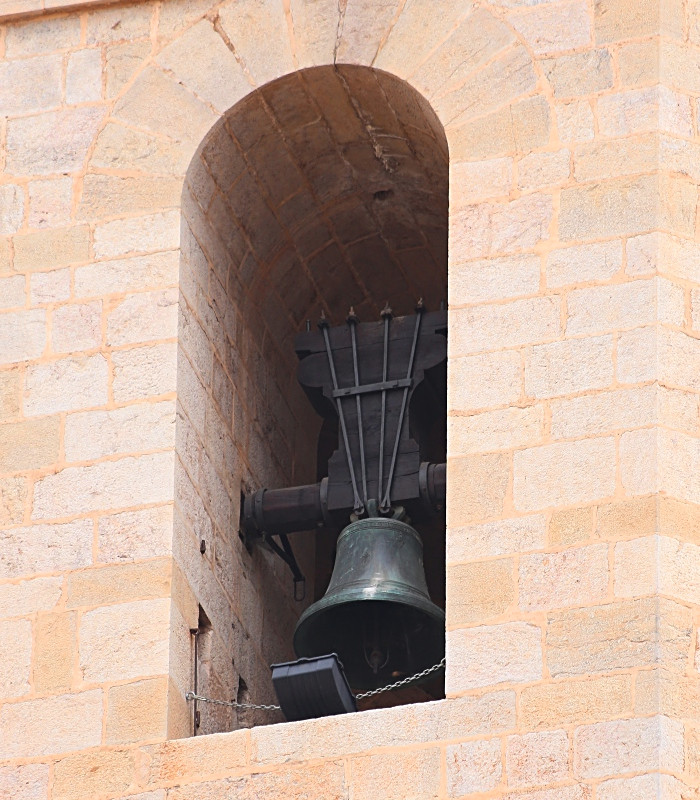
column 11, row 10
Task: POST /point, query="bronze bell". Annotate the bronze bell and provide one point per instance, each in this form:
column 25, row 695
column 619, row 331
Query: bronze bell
column 376, row 614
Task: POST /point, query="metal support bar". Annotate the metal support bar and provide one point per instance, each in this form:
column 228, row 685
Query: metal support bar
column 382, row 386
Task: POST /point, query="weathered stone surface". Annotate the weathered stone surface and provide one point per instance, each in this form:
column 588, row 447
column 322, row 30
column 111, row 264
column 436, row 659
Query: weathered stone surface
column 599, row 309
column 504, row 537
column 492, row 379
column 143, row 317
column 579, row 74
column 11, row 208
column 415, row 772
column 110, row 195
column 51, row 725
column 495, row 430
column 53, row 142
column 126, row 275
column 22, row 335
column 37, row 36
column 49, row 287
column 135, row 535
column 136, row 711
column 119, row 147
column 636, row 567
column 576, row 701
column 50, row 202
column 495, row 279
column 29, row 445
column 16, row 663
column 119, row 583
column 30, row 84
column 145, row 234
column 77, row 326
column 573, row 577
column 84, row 76
column 480, row 591
column 24, row 782
column 604, row 412
column 622, row 635
column 66, row 384
column 486, row 656
column 636, row 356
column 55, row 648
column 126, row 640
column 543, row 169
column 627, row 519
column 52, row 248
column 123, row 483
column 39, row 548
column 563, row 474
column 537, row 759
column 92, row 773
column 639, row 471
column 570, row 526
column 483, row 480
column 572, row 365
column 619, row 19
column 583, row 263
column 144, row 372
column 28, row 597
column 575, row 121
column 473, row 767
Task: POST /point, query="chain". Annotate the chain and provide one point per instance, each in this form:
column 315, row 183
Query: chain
column 403, row 681
column 193, row 696
column 390, row 687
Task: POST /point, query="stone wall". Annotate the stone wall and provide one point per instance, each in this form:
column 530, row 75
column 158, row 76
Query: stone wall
column 572, row 541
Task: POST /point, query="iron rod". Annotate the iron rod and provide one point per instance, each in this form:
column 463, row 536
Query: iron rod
column 352, row 322
column 386, row 500
column 386, row 313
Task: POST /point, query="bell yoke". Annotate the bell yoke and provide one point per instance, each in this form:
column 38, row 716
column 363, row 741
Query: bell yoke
column 382, row 383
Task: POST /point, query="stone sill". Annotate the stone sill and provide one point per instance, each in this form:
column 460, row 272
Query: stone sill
column 18, row 9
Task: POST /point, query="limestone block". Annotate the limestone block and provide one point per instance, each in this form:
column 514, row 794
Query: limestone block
column 49, row 287
column 111, row 195
column 575, row 701
column 639, row 472
column 12, row 291
column 670, row 301
column 417, row 15
column 621, row 635
column 180, row 14
column 477, row 39
column 584, row 263
column 143, row 234
column 579, row 791
column 30, row 85
column 636, row 567
column 119, row 147
column 627, row 519
column 638, row 786
column 55, row 648
column 542, row 169
column 576, row 576
column 495, row 430
column 32, row 444
column 679, row 200
column 552, row 28
column 11, row 208
column 488, row 655
column 480, row 591
column 136, row 711
column 537, row 759
column 605, row 158
column 518, row 127
column 50, row 202
column 643, row 254
column 16, row 663
column 633, row 745
column 476, row 180
column 144, row 372
column 613, row 208
column 491, row 379
column 477, row 487
column 650, row 109
column 678, row 569
column 13, row 496
column 84, row 76
column 571, row 365
column 52, row 248
column 575, row 121
column 638, row 63
column 82, row 774
column 247, row 24
column 404, row 774
column 123, row 641
column 473, row 767
column 564, row 473
column 95, row 434
column 10, row 389
column 24, row 782
column 135, row 535
column 636, row 356
column 50, row 725
column 5, row 255
column 119, row 583
column 38, row 36
column 28, row 597
column 54, row 142
column 502, row 80
column 114, row 24
column 579, row 74
column 604, row 412
column 494, row 279
column 505, row 537
column 195, row 759
column 121, row 62
column 22, row 335
column 126, row 275
column 41, row 548
column 76, row 327
column 621, row 19
column 322, row 780
column 143, row 317
column 65, row 385
column 491, row 327
column 677, row 409
column 122, row 484
column 158, row 103
column 570, row 526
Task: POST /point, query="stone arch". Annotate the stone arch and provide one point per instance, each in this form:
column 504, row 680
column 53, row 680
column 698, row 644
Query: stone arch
column 476, row 73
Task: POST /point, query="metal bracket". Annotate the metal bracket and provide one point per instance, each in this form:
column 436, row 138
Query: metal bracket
column 287, row 555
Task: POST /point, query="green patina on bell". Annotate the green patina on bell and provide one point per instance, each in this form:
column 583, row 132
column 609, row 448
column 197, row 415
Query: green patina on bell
column 377, row 614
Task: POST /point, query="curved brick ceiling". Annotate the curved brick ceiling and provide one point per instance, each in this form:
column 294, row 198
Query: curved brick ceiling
column 325, row 188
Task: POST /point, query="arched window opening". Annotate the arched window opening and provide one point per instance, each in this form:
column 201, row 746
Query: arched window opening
column 324, row 190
